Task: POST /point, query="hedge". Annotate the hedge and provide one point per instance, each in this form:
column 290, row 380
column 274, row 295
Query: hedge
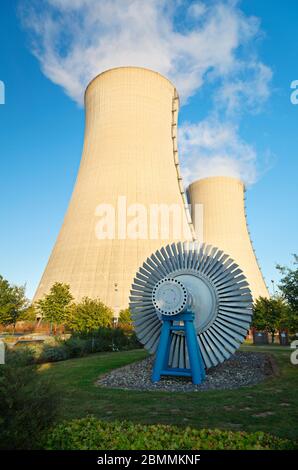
column 103, row 340
column 93, row 434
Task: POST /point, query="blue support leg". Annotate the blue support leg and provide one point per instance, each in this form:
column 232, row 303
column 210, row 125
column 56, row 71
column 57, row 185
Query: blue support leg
column 161, row 351
column 167, row 352
column 192, row 345
column 161, row 365
column 201, row 362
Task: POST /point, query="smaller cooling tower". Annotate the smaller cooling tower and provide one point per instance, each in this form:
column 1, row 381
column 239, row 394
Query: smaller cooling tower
column 225, row 226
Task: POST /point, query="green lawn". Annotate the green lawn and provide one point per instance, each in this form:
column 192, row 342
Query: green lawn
column 270, row 406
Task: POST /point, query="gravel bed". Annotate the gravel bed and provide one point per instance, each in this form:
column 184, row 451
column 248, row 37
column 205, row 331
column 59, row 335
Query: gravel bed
column 242, row 369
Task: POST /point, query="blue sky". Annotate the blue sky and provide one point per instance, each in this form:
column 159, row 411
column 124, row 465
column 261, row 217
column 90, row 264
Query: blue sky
column 243, row 93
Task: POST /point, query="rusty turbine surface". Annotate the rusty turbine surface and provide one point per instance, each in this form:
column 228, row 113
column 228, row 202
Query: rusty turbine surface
column 220, row 299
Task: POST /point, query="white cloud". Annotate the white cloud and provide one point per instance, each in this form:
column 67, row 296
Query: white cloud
column 241, row 93
column 213, row 148
column 189, row 42
column 196, row 9
column 75, row 40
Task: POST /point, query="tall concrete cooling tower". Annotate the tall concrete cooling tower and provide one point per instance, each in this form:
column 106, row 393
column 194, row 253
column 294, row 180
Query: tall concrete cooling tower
column 225, row 226
column 129, row 158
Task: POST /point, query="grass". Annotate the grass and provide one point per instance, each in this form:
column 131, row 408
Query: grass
column 270, row 406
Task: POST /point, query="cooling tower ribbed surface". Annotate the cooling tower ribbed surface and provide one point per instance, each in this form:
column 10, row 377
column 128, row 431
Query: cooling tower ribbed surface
column 225, row 226
column 130, row 150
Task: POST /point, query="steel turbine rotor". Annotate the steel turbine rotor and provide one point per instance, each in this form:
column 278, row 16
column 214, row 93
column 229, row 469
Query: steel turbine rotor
column 220, row 299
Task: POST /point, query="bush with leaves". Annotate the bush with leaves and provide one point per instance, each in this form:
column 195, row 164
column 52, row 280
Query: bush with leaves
column 108, row 339
column 89, row 315
column 21, row 356
column 53, row 353
column 28, row 404
column 78, row 347
column 92, row 434
column 125, row 320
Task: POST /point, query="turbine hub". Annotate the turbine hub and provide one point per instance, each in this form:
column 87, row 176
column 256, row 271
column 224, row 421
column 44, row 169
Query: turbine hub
column 169, row 296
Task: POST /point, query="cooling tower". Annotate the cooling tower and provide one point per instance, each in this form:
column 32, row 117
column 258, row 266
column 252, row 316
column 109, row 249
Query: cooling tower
column 225, row 226
column 129, row 162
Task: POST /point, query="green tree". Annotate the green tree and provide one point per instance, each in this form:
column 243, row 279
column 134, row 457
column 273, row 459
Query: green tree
column 259, row 315
column 55, row 306
column 271, row 315
column 89, row 315
column 28, row 314
column 13, row 301
column 125, row 319
column 273, row 309
column 289, row 284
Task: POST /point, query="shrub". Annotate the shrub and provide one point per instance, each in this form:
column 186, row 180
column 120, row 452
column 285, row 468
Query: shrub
column 53, row 353
column 21, row 356
column 89, row 315
column 110, row 339
column 134, row 343
column 93, row 434
column 77, row 347
column 28, row 404
column 125, row 320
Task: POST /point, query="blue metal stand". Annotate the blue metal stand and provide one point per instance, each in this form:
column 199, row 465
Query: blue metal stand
column 161, row 365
